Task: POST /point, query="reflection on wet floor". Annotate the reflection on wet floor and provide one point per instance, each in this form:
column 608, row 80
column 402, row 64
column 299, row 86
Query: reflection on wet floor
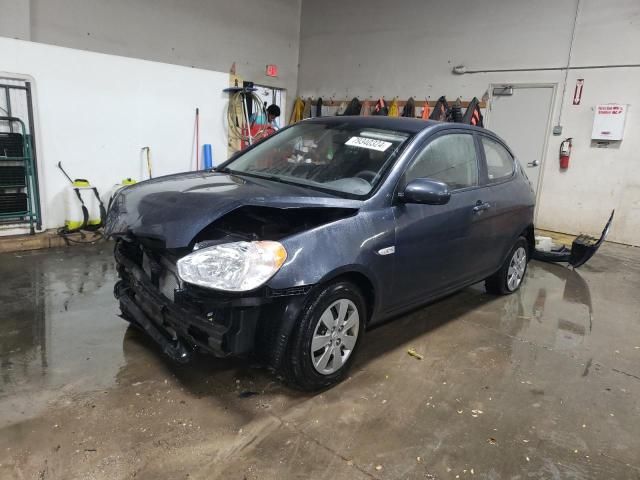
column 556, row 303
column 60, row 326
column 562, row 352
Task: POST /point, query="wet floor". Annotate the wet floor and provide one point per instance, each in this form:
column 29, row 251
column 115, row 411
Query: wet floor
column 541, row 384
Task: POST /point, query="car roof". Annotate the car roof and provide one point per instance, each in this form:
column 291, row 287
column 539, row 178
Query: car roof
column 400, row 124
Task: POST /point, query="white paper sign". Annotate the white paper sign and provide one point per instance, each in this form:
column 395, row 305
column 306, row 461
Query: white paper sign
column 370, row 143
column 608, row 122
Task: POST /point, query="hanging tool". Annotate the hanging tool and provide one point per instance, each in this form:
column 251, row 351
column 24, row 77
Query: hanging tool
column 147, row 150
column 319, row 107
column 409, row 109
column 425, row 110
column 380, row 108
column 473, row 115
column 197, row 138
column 365, row 111
column 441, row 111
column 65, row 173
column 297, row 111
column 240, row 125
column 393, row 109
column 245, row 109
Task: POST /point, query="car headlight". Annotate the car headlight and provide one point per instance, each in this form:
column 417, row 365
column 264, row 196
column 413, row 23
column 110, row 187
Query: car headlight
column 233, row 267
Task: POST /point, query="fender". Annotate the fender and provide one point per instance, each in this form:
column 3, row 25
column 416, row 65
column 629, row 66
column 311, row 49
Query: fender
column 293, row 308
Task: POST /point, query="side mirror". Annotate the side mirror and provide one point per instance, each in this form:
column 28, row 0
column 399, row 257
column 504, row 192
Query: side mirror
column 426, row 191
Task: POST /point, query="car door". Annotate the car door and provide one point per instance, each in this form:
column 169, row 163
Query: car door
column 440, row 247
column 499, row 166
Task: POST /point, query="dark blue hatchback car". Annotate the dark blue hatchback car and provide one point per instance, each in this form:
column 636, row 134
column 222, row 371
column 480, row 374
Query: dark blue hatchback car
column 295, row 246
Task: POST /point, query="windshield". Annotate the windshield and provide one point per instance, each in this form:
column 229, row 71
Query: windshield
column 335, row 157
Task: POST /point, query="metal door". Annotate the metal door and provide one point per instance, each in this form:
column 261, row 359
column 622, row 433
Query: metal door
column 521, row 115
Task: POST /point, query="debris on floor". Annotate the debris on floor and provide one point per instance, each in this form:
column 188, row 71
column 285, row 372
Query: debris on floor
column 414, row 354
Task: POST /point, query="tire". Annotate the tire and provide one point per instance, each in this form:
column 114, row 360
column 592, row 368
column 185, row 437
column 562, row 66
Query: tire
column 511, row 274
column 312, row 371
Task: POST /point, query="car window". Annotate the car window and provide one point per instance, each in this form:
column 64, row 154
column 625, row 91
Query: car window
column 450, row 158
column 499, row 161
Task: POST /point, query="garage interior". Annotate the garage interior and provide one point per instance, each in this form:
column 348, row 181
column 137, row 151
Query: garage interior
column 542, row 383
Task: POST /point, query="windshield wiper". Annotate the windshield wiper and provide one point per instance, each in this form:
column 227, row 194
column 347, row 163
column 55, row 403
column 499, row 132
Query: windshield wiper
column 273, row 178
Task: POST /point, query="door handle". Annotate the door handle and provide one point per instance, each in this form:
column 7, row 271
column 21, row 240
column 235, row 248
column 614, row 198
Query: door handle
column 480, row 206
column 535, row 163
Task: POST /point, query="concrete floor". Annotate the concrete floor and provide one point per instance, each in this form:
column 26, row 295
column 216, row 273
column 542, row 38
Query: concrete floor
column 541, row 384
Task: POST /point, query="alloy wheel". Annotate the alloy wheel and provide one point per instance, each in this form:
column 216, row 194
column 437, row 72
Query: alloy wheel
column 335, row 336
column 517, row 267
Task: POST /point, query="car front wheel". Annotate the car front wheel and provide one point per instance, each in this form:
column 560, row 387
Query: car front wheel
column 324, row 342
column 509, row 278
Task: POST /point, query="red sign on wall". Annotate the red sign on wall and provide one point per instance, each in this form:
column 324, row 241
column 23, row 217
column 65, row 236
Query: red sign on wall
column 272, row 70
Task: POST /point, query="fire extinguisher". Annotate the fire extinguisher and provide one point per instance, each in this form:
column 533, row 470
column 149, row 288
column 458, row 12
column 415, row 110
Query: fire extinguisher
column 565, row 153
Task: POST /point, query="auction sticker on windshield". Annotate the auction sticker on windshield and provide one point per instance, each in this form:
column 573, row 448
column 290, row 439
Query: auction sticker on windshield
column 370, row 143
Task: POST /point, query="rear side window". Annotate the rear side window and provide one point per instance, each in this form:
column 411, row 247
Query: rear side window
column 499, row 160
column 450, row 158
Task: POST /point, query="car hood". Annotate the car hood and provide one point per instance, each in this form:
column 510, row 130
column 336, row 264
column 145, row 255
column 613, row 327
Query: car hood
column 175, row 208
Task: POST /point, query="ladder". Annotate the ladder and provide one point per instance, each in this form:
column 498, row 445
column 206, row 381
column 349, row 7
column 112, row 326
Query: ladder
column 18, row 189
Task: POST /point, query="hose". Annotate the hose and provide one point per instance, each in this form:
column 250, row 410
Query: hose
column 68, row 236
column 240, row 125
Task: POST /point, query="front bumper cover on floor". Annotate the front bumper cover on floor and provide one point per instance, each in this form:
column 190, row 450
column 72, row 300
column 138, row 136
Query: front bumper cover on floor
column 582, row 249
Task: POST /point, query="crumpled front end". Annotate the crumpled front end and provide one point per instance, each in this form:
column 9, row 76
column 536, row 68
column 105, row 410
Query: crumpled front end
column 183, row 318
column 155, row 223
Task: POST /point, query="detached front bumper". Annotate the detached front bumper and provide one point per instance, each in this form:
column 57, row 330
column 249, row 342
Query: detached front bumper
column 582, row 249
column 217, row 324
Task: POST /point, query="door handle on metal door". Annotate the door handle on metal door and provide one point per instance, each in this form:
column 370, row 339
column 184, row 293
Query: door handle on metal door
column 535, row 163
column 480, row 206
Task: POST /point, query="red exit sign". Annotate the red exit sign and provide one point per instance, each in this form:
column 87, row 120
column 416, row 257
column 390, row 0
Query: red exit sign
column 272, row 70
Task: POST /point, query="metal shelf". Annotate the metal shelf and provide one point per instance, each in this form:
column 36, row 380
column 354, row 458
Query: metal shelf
column 19, row 178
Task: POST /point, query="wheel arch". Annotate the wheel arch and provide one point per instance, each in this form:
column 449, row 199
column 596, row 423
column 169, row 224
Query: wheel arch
column 294, row 308
column 361, row 280
column 529, row 234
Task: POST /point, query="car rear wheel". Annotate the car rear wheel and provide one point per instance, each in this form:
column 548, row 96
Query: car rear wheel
column 323, row 344
column 509, row 278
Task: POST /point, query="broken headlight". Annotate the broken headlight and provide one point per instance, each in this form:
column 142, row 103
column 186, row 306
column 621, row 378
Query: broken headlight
column 233, row 267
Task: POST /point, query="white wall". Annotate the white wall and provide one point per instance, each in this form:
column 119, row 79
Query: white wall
column 598, row 180
column 408, row 48
column 209, row 34
column 95, row 112
column 15, row 19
